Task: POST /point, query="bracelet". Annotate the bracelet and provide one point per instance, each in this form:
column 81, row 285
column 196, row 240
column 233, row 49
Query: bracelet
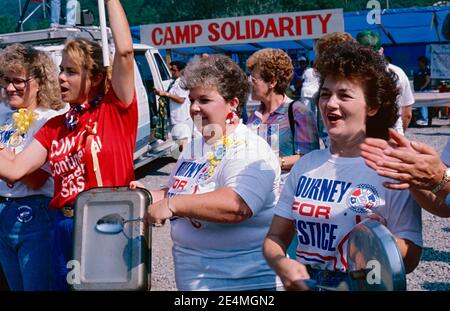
column 283, row 162
column 170, row 207
column 2, row 147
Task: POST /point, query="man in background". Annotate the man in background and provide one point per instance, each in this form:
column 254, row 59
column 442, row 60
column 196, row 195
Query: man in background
column 422, row 83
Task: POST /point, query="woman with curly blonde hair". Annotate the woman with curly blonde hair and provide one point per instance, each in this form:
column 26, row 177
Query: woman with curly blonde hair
column 92, row 144
column 28, row 79
column 271, row 71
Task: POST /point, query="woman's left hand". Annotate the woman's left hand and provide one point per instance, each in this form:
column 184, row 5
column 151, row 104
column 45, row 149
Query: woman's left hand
column 158, row 212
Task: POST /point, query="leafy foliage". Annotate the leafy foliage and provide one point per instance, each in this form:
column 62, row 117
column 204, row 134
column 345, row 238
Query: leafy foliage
column 142, row 12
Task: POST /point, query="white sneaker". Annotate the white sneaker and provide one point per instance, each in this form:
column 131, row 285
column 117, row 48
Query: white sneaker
column 422, row 123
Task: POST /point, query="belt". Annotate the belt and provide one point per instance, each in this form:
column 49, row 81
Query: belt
column 67, row 211
column 10, row 199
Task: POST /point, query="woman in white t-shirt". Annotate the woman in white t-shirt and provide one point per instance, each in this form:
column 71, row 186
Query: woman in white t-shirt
column 221, row 194
column 329, row 191
column 29, row 83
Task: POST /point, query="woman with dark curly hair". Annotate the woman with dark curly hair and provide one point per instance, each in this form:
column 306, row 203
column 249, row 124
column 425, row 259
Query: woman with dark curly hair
column 221, row 194
column 29, row 83
column 329, row 191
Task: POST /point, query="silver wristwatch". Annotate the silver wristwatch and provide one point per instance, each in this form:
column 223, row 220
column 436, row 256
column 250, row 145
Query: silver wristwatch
column 443, row 182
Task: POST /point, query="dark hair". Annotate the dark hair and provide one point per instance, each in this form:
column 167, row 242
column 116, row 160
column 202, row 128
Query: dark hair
column 219, row 72
column 369, row 38
column 180, row 65
column 362, row 65
column 423, row 59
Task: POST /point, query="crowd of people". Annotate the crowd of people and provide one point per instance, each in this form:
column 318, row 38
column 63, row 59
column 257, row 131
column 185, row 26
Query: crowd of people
column 257, row 206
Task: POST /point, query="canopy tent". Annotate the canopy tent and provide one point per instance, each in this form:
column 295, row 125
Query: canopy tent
column 404, row 35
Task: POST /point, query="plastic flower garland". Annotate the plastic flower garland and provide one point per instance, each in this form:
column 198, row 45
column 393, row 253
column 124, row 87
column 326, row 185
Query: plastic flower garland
column 220, row 148
column 23, row 120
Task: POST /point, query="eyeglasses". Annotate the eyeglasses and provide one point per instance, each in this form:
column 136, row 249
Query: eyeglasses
column 19, row 84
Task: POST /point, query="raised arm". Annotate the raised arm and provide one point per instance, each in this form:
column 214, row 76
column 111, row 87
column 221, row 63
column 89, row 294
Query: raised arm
column 123, row 66
column 26, row 162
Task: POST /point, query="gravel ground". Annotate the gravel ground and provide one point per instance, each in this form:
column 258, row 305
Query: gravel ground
column 433, row 272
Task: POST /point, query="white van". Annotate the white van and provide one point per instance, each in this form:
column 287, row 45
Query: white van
column 150, row 72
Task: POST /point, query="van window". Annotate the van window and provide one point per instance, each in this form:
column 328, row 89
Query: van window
column 165, row 75
column 147, row 79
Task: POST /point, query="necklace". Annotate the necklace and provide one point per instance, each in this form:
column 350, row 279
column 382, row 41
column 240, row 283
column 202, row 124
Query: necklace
column 219, row 151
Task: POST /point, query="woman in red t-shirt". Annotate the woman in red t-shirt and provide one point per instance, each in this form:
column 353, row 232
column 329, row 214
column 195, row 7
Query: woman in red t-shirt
column 92, row 144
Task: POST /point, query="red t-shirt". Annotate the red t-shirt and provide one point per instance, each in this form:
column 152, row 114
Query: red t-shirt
column 73, row 155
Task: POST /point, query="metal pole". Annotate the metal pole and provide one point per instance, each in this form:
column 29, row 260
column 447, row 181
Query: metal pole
column 387, row 4
column 102, row 17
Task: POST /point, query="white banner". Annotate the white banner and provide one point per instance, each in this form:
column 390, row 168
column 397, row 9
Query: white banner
column 440, row 61
column 243, row 29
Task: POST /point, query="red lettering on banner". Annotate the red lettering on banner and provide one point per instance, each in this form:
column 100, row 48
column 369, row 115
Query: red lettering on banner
column 271, row 28
column 298, row 25
column 224, row 33
column 324, row 22
column 260, row 24
column 154, row 40
column 309, row 19
column 287, row 27
column 182, row 35
column 169, row 36
column 214, row 34
column 196, row 30
column 247, row 29
column 239, row 36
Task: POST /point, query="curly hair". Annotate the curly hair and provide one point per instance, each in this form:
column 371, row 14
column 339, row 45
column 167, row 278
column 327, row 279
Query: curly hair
column 362, row 65
column 18, row 57
column 219, row 72
column 88, row 55
column 331, row 39
column 274, row 65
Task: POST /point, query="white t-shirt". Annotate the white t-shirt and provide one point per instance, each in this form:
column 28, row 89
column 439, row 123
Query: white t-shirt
column 445, row 156
column 406, row 97
column 19, row 189
column 179, row 113
column 310, row 84
column 216, row 256
column 328, row 196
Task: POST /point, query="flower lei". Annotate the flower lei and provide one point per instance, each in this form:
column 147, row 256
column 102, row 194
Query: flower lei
column 23, row 121
column 220, row 148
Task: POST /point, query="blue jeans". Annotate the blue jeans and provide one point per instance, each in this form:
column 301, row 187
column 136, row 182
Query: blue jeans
column 423, row 114
column 62, row 250
column 25, row 242
column 55, row 11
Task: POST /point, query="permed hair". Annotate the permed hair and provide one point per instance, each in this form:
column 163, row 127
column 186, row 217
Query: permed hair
column 218, row 72
column 18, row 57
column 362, row 65
column 331, row 39
column 274, row 65
column 88, row 55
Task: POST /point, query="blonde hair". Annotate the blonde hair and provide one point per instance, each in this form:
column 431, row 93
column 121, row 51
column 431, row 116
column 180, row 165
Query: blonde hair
column 274, row 65
column 40, row 66
column 88, row 55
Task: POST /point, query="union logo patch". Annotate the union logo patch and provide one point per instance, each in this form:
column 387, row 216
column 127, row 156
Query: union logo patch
column 363, row 199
